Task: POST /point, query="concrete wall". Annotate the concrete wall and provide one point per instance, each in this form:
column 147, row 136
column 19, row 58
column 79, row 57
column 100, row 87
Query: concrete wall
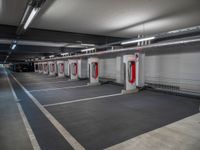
column 176, row 66
column 181, row 67
column 119, row 70
column 107, row 68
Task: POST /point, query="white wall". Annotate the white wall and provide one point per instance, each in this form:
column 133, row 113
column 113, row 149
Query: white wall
column 180, row 69
column 119, row 70
column 107, row 68
column 177, row 66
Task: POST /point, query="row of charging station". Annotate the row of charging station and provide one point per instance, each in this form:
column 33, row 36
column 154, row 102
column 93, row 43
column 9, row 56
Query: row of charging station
column 72, row 68
column 82, row 68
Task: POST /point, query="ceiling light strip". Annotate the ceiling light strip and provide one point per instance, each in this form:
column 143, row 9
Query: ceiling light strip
column 30, row 18
column 88, row 49
column 138, row 40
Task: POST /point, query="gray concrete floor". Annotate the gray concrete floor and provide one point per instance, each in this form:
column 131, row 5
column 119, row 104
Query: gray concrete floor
column 13, row 135
column 48, row 137
column 145, row 121
column 181, row 135
column 116, row 119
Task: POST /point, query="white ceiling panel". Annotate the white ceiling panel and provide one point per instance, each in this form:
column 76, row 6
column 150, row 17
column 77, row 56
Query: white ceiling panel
column 122, row 18
column 11, row 11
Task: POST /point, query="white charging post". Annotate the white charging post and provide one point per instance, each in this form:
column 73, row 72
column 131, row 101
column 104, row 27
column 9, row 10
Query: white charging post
column 40, row 67
column 129, row 73
column 66, row 68
column 36, row 68
column 93, row 68
column 52, row 68
column 45, row 68
column 133, row 72
column 61, row 68
column 73, row 69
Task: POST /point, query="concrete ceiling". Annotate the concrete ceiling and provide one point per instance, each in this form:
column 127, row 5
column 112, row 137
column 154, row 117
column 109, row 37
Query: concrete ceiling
column 77, row 19
column 121, row 18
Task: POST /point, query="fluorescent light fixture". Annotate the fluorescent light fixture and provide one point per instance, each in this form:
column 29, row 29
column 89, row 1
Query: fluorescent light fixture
column 25, row 14
column 138, row 40
column 75, row 46
column 64, row 54
column 13, row 46
column 88, row 49
column 78, row 45
column 30, row 18
column 88, row 45
column 51, row 56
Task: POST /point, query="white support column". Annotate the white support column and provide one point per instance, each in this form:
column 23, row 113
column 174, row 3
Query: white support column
column 82, row 68
column 93, row 65
column 119, row 69
column 56, row 68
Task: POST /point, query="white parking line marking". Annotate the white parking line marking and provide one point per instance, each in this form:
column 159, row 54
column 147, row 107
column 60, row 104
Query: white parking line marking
column 53, row 89
column 81, row 100
column 68, row 137
column 31, row 135
column 48, row 82
column 41, row 79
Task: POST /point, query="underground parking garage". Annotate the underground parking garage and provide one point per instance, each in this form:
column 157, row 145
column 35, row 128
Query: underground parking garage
column 93, row 75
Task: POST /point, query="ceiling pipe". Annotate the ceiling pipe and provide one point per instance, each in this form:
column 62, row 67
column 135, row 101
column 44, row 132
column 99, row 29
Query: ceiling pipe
column 170, row 35
column 129, row 49
column 44, row 43
column 33, row 7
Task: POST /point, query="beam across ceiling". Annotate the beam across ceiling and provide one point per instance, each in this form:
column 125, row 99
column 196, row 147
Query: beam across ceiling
column 47, row 41
column 8, row 32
